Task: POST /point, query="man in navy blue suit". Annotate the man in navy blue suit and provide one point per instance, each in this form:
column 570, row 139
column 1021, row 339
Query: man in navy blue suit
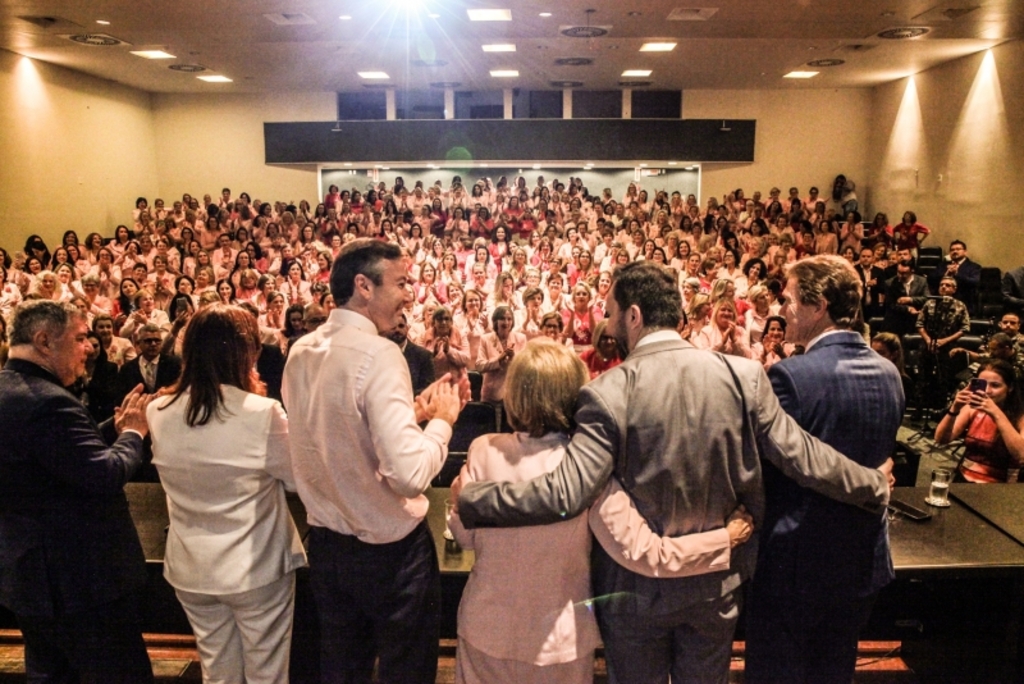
column 822, row 563
column 71, row 566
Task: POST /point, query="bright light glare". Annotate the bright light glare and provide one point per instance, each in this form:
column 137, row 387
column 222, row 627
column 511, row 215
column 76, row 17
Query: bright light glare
column 545, row 14
column 345, row 17
column 104, row 23
column 372, row 74
column 504, row 73
column 489, row 14
column 214, row 79
column 657, row 47
column 801, row 74
column 500, row 47
column 637, row 72
column 152, row 54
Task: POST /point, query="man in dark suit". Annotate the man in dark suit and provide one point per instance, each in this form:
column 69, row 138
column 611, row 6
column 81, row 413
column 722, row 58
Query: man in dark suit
column 822, row 563
column 688, row 452
column 71, row 565
column 905, row 296
column 150, row 368
column 1013, row 289
column 965, row 272
column 872, row 283
column 420, row 361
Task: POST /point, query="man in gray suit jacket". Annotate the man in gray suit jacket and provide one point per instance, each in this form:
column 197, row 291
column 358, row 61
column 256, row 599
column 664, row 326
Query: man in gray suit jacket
column 683, row 430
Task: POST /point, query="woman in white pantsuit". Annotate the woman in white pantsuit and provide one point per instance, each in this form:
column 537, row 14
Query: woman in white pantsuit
column 232, row 547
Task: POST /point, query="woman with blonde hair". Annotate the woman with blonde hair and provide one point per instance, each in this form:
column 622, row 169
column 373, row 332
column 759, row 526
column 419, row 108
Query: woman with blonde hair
column 221, row 448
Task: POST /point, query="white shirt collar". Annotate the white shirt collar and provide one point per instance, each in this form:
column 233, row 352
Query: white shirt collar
column 659, row 336
column 815, row 341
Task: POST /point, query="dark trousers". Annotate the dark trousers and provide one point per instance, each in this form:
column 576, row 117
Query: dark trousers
column 795, row 640
column 693, row 645
column 376, row 600
column 101, row 646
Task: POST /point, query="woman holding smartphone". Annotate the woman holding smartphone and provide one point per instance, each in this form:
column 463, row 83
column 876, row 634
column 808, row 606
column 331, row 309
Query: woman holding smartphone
column 989, row 414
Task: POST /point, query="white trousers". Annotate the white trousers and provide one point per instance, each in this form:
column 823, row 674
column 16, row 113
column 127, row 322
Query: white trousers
column 244, row 638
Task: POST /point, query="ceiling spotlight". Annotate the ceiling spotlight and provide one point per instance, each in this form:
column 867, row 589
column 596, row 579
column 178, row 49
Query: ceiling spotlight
column 500, row 47
column 636, row 72
column 104, row 23
column 504, row 73
column 214, row 79
column 545, row 14
column 657, row 47
column 801, row 74
column 372, row 74
column 152, row 54
column 489, row 14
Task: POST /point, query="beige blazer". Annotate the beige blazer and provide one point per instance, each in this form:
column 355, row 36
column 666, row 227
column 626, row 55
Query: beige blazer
column 231, row 530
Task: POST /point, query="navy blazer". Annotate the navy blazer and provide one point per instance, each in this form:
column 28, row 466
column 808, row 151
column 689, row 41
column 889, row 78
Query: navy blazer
column 852, row 399
column 67, row 541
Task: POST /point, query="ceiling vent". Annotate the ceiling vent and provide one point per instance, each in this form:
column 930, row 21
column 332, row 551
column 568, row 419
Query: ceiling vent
column 187, row 68
column 940, row 14
column 826, row 62
column 574, row 61
column 903, row 32
column 584, row 31
column 692, row 13
column 429, row 62
column 566, row 84
column 445, row 84
column 96, row 39
column 290, row 19
column 635, row 84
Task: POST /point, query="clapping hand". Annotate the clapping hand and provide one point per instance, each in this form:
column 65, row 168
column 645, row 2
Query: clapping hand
column 131, row 414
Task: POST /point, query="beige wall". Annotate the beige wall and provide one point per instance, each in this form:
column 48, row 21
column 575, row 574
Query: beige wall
column 804, row 138
column 947, row 144
column 76, row 151
column 204, row 142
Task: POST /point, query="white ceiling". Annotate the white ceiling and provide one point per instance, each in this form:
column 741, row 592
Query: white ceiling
column 745, row 44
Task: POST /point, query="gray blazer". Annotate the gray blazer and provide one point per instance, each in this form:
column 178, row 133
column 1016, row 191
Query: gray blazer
column 684, row 431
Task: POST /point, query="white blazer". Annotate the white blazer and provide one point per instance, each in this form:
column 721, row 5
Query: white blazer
column 225, row 481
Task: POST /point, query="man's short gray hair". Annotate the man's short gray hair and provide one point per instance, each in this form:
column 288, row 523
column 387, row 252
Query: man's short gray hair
column 41, row 314
column 148, row 328
column 833, row 279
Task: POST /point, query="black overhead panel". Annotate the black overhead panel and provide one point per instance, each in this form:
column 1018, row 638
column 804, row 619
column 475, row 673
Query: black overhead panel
column 691, row 140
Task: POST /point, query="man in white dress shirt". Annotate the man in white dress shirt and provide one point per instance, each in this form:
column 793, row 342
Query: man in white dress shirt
column 361, row 465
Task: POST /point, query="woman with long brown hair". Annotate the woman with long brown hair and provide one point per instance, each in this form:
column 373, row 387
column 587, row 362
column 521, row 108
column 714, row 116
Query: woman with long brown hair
column 221, row 449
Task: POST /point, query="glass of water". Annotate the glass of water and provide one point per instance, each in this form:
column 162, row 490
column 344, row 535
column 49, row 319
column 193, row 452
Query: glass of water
column 938, row 493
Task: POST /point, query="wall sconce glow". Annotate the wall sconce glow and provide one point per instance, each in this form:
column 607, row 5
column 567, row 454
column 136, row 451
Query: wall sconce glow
column 31, row 92
column 215, row 79
column 370, row 75
column 907, row 149
column 657, row 47
column 489, row 14
column 801, row 74
column 642, row 73
column 504, row 73
column 981, row 143
column 500, row 47
column 152, row 54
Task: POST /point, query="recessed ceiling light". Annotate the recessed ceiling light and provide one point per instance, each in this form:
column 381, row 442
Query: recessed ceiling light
column 657, row 47
column 504, row 73
column 637, row 72
column 214, row 79
column 152, row 54
column 500, row 47
column 545, row 14
column 489, row 14
column 104, row 23
column 801, row 74
column 345, row 17
column 372, row 74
